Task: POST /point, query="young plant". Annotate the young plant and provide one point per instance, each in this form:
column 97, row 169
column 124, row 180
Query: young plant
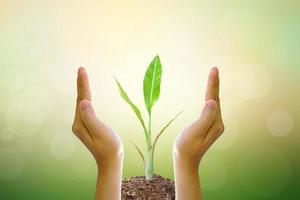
column 152, row 80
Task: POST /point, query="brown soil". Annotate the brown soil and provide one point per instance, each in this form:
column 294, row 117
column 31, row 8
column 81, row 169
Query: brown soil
column 137, row 188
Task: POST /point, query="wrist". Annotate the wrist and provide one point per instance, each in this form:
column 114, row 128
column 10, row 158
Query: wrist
column 186, row 163
column 110, row 164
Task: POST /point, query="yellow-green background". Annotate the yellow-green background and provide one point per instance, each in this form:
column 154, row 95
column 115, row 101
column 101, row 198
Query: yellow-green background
column 255, row 44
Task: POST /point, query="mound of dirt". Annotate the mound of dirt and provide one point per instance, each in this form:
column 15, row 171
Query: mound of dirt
column 138, row 188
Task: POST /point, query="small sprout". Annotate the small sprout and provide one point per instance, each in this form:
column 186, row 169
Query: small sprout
column 151, row 89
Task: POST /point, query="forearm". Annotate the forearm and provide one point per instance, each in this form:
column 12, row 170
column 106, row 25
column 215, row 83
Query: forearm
column 187, row 183
column 109, row 181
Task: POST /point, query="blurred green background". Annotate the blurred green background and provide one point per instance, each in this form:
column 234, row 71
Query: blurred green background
column 255, row 44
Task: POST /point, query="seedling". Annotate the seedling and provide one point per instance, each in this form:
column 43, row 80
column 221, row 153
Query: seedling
column 152, row 80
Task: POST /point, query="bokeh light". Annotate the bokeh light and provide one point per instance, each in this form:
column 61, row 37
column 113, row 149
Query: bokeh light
column 280, row 123
column 34, row 108
column 62, row 146
column 83, row 165
column 256, row 81
column 17, row 124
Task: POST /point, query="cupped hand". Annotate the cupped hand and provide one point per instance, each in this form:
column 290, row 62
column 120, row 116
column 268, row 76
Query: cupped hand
column 197, row 138
column 104, row 144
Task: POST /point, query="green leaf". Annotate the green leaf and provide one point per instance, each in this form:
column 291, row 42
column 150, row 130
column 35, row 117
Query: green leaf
column 139, row 151
column 133, row 106
column 164, row 128
column 152, row 81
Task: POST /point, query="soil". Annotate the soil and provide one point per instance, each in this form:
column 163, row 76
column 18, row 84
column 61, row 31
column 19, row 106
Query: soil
column 138, row 188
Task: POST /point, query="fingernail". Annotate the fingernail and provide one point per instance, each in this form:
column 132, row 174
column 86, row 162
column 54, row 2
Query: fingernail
column 84, row 104
column 215, row 69
column 80, row 69
column 211, row 104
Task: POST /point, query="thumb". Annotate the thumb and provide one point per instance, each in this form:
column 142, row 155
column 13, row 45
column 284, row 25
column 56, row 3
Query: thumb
column 88, row 116
column 207, row 117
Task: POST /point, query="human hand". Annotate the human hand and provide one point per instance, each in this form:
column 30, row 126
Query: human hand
column 195, row 140
column 104, row 144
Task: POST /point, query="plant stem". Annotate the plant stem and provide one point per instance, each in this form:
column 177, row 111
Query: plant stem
column 149, row 154
column 149, row 165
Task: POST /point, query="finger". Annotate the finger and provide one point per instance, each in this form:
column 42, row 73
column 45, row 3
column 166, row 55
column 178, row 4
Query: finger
column 212, row 90
column 83, row 88
column 214, row 133
column 82, row 133
column 89, row 118
column 83, row 91
column 206, row 120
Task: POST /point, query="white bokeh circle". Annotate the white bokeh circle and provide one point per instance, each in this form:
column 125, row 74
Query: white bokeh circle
column 227, row 76
column 34, row 104
column 280, row 123
column 264, row 172
column 230, row 135
column 213, row 173
column 7, row 134
column 17, row 124
column 12, row 164
column 83, row 165
column 62, row 146
column 58, row 76
column 254, row 81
